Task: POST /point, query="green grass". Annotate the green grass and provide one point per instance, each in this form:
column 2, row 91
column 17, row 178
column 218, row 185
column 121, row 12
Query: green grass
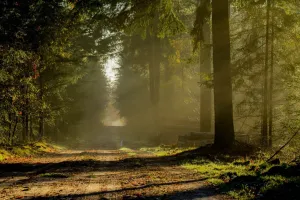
column 4, row 154
column 129, row 151
column 165, row 151
column 244, row 181
column 27, row 150
column 215, row 169
column 91, row 176
column 125, row 149
column 54, row 175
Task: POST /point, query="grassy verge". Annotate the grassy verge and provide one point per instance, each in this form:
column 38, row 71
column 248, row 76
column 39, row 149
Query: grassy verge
column 54, row 175
column 32, row 149
column 166, row 150
column 129, row 151
column 250, row 179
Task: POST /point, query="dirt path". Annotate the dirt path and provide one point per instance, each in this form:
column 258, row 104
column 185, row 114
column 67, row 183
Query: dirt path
column 100, row 174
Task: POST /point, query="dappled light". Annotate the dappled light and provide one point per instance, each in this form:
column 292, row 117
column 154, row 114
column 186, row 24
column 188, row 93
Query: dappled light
column 155, row 100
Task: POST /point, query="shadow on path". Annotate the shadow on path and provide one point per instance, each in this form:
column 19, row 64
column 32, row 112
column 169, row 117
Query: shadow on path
column 201, row 192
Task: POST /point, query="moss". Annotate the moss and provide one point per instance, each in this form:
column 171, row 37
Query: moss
column 216, row 169
column 165, row 151
column 272, row 182
column 23, row 151
column 4, row 154
column 31, row 149
column 258, row 179
column 243, row 194
column 215, row 181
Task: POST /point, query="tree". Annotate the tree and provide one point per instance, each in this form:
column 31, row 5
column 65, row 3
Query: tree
column 223, row 107
column 265, row 117
column 224, row 129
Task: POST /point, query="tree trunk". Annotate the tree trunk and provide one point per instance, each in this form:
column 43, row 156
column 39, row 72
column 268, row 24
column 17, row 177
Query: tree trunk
column 23, row 127
column 26, row 114
column 14, row 130
column 27, row 127
column 9, row 126
column 31, row 129
column 224, row 128
column 205, row 92
column 264, row 131
column 155, row 72
column 271, row 80
column 41, row 114
column 169, row 89
column 154, row 79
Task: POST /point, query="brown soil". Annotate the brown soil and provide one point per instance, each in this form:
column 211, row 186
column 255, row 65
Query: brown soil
column 100, row 174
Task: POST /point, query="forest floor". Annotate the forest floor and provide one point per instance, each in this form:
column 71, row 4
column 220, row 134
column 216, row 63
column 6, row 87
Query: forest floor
column 149, row 173
column 101, row 174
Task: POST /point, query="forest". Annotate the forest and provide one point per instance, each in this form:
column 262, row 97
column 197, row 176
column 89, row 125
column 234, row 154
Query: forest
column 149, row 99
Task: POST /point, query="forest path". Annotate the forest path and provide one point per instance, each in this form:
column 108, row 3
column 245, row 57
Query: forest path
column 100, row 174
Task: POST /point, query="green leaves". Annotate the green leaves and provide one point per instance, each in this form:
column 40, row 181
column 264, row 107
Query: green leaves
column 155, row 17
column 203, row 14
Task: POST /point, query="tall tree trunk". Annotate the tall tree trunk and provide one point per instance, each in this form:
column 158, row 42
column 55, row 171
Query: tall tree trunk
column 24, row 114
column 14, row 130
column 264, row 131
column 9, row 126
column 23, row 126
column 27, row 114
column 224, row 128
column 271, row 88
column 169, row 90
column 205, row 92
column 27, row 127
column 154, row 75
column 41, row 114
column 31, row 128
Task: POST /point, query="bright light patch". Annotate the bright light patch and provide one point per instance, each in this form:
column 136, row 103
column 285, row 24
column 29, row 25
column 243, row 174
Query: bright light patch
column 112, row 117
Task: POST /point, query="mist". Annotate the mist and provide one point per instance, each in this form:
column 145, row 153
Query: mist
column 160, row 99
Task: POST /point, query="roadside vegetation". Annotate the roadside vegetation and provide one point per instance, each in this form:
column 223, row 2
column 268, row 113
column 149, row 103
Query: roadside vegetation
column 27, row 150
column 239, row 174
column 250, row 177
column 166, row 150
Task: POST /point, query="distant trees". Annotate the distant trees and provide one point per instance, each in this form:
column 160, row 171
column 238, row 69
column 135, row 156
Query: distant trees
column 44, row 48
column 223, row 108
column 202, row 32
column 258, row 78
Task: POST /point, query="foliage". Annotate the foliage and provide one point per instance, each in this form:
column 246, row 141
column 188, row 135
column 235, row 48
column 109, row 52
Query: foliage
column 241, row 179
column 27, row 150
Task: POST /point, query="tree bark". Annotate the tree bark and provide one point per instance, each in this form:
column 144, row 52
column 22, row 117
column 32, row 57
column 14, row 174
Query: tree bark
column 14, row 130
column 154, row 82
column 41, row 114
column 31, row 128
column 271, row 87
column 264, row 131
column 27, row 127
column 205, row 92
column 154, row 69
column 224, row 128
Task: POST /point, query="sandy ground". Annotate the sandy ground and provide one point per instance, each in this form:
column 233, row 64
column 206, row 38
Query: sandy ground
column 100, row 174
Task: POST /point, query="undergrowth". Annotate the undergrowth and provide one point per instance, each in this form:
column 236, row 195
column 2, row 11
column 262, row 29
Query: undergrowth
column 165, row 150
column 250, row 177
column 26, row 150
